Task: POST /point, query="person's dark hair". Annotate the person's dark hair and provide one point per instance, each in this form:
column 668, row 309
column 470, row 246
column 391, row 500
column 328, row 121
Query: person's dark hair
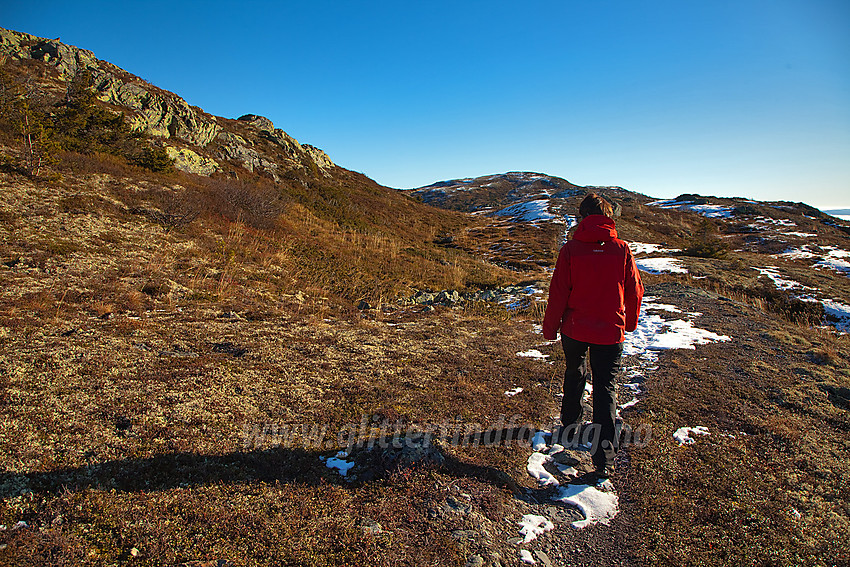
column 593, row 204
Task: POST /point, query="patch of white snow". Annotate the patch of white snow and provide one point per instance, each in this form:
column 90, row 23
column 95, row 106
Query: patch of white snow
column 660, row 265
column 530, row 211
column 596, row 505
column 533, row 353
column 533, row 525
column 683, row 434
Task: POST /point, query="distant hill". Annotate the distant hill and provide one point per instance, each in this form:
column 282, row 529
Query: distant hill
column 492, row 192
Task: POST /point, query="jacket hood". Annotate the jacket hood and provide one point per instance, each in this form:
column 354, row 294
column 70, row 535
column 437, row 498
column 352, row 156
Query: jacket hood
column 596, row 228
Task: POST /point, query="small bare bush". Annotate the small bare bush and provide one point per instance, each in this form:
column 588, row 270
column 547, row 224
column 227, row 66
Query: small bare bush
column 256, row 204
column 179, row 211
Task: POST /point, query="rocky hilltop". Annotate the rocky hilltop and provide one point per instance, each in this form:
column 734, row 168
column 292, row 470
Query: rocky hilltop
column 492, row 192
column 198, row 142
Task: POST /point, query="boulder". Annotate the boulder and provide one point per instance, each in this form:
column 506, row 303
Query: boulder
column 192, row 162
column 261, row 123
column 321, row 159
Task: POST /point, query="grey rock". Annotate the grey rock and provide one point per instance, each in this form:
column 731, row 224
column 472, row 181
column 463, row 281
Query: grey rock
column 448, row 298
column 543, row 558
column 453, row 505
column 475, row 561
column 370, row 527
column 236, row 148
column 424, row 298
column 320, row 158
column 260, row 122
column 413, row 451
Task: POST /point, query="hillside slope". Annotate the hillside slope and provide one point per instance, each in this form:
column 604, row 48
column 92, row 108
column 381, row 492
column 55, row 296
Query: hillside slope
column 108, row 143
column 222, row 364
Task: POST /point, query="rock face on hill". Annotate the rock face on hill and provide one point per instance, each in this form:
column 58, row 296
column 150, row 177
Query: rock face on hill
column 517, row 195
column 494, row 192
column 501, row 190
column 196, row 140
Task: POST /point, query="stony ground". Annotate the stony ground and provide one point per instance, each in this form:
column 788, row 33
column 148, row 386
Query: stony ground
column 154, row 391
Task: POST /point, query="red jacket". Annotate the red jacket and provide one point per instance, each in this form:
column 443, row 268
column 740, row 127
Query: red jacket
column 596, row 290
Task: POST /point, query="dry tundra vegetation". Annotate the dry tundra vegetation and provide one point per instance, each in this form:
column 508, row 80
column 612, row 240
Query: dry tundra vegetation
column 148, row 316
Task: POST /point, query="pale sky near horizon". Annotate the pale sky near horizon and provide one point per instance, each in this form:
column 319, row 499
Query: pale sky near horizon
column 747, row 98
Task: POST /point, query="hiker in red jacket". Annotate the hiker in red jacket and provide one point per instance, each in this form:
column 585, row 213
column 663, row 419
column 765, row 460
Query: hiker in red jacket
column 594, row 299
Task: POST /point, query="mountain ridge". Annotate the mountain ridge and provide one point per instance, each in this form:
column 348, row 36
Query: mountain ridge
column 166, row 115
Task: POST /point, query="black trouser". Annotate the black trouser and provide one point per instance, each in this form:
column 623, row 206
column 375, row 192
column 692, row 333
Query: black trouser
column 604, row 367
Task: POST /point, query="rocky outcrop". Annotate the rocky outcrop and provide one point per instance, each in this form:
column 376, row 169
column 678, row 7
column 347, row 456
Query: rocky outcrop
column 261, row 123
column 157, row 112
column 237, row 148
column 153, row 111
column 321, row 159
column 512, row 296
column 234, row 147
column 163, row 114
column 192, row 162
column 67, row 59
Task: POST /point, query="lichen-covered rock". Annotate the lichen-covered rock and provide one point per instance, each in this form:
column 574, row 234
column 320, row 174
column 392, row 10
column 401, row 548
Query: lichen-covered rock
column 192, row 162
column 289, row 144
column 261, row 123
column 321, row 158
column 234, row 147
column 67, row 59
column 155, row 112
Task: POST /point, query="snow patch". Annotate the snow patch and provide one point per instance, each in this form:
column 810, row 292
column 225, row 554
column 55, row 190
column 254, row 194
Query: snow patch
column 513, row 392
column 596, row 505
column 832, row 263
column 710, row 211
column 533, row 353
column 800, row 234
column 538, row 442
column 660, row 265
column 788, row 223
column 339, row 463
column 839, row 312
column 530, row 211
column 772, row 272
column 655, row 333
column 535, row 468
column 683, row 434
column 533, row 526
column 646, row 248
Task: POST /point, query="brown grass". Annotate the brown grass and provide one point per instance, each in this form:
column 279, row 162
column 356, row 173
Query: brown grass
column 766, row 487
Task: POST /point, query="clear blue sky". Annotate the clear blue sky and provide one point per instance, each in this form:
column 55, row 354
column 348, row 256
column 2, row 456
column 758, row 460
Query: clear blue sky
column 735, row 98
